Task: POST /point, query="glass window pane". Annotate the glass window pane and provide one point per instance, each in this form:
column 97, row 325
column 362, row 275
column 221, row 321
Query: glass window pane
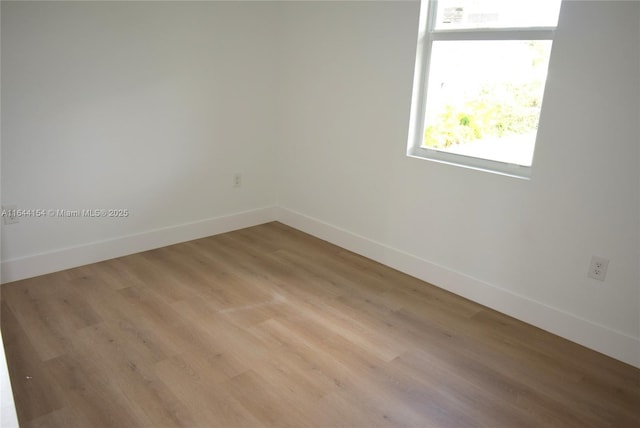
column 484, row 98
column 473, row 14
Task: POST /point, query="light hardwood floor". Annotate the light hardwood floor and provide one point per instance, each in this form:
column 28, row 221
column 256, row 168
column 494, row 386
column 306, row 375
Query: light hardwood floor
column 268, row 326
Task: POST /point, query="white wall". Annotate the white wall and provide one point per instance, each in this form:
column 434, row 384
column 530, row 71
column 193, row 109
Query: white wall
column 148, row 106
column 638, row 123
column 520, row 246
column 154, row 106
column 8, row 416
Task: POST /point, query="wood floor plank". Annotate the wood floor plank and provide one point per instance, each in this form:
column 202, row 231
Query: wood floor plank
column 57, row 418
column 266, row 401
column 205, row 394
column 131, row 365
column 50, row 311
column 31, row 382
column 91, row 395
column 271, row 327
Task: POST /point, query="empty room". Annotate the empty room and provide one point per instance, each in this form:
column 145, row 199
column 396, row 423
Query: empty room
column 320, row 213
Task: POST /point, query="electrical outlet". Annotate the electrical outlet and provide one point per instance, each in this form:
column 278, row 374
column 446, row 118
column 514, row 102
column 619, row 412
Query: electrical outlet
column 598, row 268
column 9, row 214
column 237, row 179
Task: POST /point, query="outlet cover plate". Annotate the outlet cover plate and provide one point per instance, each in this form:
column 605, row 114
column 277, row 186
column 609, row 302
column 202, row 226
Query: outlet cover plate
column 598, row 268
column 8, row 212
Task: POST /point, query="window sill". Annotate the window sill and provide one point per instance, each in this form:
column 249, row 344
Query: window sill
column 478, row 164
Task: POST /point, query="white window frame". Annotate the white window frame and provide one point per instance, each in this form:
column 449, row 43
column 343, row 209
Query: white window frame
column 427, row 34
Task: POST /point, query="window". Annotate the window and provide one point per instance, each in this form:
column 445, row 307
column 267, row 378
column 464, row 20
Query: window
column 481, row 69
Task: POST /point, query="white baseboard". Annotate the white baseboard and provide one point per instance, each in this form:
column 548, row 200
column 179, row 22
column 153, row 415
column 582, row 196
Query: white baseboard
column 594, row 336
column 66, row 258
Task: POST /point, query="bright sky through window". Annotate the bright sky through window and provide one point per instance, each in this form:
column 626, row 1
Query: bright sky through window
column 473, row 14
